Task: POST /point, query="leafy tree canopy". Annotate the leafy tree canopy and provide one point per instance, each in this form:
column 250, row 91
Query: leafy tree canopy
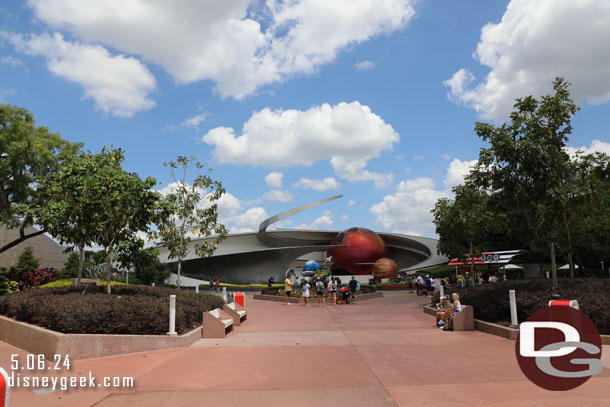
column 189, row 211
column 27, row 153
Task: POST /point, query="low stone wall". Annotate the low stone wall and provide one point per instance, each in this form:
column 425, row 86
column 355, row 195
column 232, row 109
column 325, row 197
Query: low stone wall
column 278, row 298
column 39, row 340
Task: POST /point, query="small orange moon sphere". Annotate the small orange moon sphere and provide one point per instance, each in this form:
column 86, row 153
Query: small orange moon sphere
column 385, row 268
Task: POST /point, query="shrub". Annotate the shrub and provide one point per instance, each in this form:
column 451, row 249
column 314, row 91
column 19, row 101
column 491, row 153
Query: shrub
column 491, row 302
column 135, row 310
column 27, row 260
column 26, row 278
column 7, row 286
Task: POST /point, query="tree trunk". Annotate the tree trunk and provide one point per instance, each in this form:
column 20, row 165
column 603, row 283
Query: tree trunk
column 179, row 273
column 570, row 260
column 81, row 259
column 472, row 264
column 108, row 273
column 553, row 263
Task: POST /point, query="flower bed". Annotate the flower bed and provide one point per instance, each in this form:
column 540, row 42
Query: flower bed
column 137, row 310
column 491, row 302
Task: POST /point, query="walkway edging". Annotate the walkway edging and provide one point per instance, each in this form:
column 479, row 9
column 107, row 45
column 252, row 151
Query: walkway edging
column 37, row 340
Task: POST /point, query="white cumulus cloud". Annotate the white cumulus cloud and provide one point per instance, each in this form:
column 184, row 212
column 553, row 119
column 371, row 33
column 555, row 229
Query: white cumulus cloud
column 348, row 134
column 231, row 213
column 407, row 210
column 364, row 65
column 277, row 196
column 274, row 179
column 119, row 85
column 456, row 172
column 239, row 44
column 596, row 146
column 326, row 184
column 325, row 221
column 535, row 42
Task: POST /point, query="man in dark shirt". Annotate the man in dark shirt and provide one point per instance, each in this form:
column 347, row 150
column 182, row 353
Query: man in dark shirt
column 352, row 289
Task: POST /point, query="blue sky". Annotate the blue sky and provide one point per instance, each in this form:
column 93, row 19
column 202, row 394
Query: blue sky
column 291, row 102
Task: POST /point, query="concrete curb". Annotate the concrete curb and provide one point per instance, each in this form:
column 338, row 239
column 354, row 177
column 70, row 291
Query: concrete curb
column 37, row 340
column 277, row 298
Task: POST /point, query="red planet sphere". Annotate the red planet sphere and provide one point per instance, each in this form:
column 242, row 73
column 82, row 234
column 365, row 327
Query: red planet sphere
column 365, row 247
column 385, row 268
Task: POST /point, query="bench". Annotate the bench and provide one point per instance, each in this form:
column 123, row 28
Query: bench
column 216, row 324
column 237, row 312
column 85, row 282
column 464, row 320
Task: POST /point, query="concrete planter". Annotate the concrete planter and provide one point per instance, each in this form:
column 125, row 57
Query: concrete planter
column 37, row 340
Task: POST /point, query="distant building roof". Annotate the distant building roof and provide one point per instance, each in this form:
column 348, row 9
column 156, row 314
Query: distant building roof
column 46, row 250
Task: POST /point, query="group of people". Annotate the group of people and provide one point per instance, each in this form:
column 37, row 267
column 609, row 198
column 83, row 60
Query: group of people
column 332, row 288
column 215, row 284
column 445, row 310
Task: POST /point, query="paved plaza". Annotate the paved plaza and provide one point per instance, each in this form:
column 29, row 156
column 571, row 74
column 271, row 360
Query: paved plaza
column 381, row 352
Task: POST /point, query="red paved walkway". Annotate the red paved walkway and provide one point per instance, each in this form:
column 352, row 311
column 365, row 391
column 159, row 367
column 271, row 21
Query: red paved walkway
column 382, row 352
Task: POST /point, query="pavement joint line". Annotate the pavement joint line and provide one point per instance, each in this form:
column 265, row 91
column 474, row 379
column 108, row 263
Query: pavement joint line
column 46, row 390
column 365, row 362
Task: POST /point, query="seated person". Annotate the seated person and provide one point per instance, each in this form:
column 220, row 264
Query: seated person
column 456, row 306
column 441, row 311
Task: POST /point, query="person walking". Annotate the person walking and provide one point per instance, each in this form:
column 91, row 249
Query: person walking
column 217, row 285
column 320, row 292
column 332, row 290
column 353, row 287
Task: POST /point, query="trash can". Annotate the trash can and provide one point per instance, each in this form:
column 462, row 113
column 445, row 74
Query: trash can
column 4, row 389
column 240, row 298
column 564, row 303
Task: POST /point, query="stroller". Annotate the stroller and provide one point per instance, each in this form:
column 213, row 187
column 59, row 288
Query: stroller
column 344, row 296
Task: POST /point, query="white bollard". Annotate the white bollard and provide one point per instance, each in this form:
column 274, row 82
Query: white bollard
column 547, row 274
column 172, row 315
column 441, row 289
column 513, row 308
column 197, row 289
column 153, row 284
column 224, row 294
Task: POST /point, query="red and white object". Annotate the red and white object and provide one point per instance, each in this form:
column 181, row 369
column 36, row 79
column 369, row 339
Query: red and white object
column 4, row 389
column 564, row 303
column 240, row 298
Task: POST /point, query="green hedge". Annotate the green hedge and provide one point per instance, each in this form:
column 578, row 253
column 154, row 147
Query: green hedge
column 138, row 310
column 491, row 303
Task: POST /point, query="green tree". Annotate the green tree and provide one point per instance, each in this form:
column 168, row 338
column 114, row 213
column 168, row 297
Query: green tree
column 189, row 211
column 94, row 200
column 72, row 264
column 27, row 153
column 145, row 261
column 526, row 162
column 587, row 219
column 27, row 261
column 466, row 224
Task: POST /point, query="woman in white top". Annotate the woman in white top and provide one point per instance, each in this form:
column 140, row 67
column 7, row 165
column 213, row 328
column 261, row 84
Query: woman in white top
column 456, row 306
column 306, row 294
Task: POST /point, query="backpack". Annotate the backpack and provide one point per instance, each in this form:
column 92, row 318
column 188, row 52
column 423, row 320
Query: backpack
column 357, row 285
column 449, row 325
